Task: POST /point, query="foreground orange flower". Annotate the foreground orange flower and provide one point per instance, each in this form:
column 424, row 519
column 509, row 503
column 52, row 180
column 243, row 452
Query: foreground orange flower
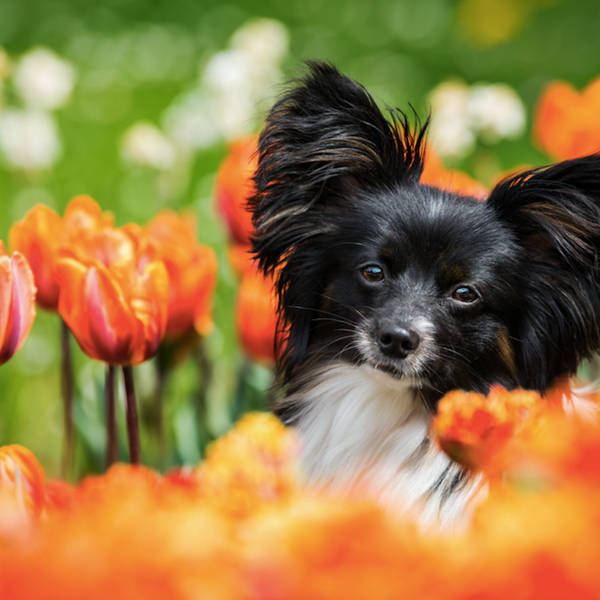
column 256, row 315
column 234, row 185
column 436, row 174
column 17, row 302
column 192, row 269
column 567, row 122
column 115, row 305
column 22, row 477
column 252, row 467
column 474, row 429
column 241, row 527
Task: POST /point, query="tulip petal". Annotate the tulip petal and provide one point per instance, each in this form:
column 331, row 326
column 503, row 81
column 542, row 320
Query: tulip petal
column 103, row 332
column 36, row 237
column 23, row 305
column 6, row 277
column 113, row 328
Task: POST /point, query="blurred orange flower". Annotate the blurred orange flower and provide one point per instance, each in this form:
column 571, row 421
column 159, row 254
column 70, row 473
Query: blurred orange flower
column 17, row 302
column 567, row 122
column 436, row 174
column 474, row 429
column 234, row 185
column 22, row 477
column 256, row 315
column 252, row 467
column 115, row 304
column 192, row 269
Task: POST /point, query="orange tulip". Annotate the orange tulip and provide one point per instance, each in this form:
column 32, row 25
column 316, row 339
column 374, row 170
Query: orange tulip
column 115, row 305
column 436, row 174
column 42, row 237
column 192, row 270
column 37, row 238
column 17, row 302
column 567, row 122
column 234, row 185
column 22, row 476
column 257, row 316
column 475, row 430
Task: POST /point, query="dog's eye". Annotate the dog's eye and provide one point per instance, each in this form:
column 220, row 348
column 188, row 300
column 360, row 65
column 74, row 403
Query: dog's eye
column 465, row 294
column 373, row 273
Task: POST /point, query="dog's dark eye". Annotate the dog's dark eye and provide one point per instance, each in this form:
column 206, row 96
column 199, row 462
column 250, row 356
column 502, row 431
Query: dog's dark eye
column 465, row 294
column 373, row 273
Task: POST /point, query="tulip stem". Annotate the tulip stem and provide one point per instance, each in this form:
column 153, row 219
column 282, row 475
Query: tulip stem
column 111, row 417
column 67, row 390
column 133, row 435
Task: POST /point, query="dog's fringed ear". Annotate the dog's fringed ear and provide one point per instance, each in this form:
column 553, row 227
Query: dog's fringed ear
column 324, row 138
column 554, row 214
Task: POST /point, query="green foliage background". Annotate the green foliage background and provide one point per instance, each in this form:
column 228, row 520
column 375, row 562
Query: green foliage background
column 399, row 49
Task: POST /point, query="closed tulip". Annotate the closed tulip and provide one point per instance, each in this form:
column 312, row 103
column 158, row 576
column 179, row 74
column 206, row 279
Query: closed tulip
column 257, row 316
column 22, row 477
column 17, row 302
column 192, row 269
column 115, row 305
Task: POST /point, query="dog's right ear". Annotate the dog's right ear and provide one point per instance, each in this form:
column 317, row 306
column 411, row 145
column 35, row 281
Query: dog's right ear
column 323, row 140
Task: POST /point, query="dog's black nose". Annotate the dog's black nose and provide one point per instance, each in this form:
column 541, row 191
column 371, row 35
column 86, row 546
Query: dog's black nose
column 397, row 340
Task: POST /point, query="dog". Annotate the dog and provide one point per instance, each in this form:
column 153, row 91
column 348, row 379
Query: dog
column 392, row 292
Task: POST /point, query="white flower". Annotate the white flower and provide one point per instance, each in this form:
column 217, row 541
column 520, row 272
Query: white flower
column 266, row 41
column 29, row 139
column 451, row 133
column 461, row 113
column 190, row 123
column 44, row 80
column 144, row 144
column 496, row 111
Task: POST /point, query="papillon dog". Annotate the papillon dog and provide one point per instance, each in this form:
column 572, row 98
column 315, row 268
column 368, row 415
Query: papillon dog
column 393, row 292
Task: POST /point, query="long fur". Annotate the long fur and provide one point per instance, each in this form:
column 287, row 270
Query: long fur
column 393, row 293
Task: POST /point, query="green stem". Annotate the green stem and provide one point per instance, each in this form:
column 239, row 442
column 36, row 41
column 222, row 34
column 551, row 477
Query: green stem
column 111, row 417
column 133, row 436
column 67, row 392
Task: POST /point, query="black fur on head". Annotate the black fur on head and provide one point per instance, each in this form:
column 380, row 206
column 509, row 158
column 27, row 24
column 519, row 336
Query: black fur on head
column 322, row 141
column 338, row 195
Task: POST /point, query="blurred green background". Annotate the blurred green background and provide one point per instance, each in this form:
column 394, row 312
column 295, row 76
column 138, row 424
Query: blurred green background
column 176, row 72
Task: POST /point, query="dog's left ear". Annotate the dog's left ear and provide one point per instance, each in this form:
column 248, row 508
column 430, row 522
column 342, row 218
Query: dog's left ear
column 554, row 215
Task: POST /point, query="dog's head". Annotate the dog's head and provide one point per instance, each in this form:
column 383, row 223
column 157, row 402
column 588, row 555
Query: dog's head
column 375, row 268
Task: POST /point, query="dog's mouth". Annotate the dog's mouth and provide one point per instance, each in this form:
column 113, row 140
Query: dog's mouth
column 399, row 372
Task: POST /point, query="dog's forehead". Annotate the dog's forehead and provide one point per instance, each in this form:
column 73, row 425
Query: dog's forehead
column 436, row 226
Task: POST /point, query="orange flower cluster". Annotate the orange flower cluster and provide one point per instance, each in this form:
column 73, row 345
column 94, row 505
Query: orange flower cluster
column 566, row 122
column 118, row 289
column 240, row 527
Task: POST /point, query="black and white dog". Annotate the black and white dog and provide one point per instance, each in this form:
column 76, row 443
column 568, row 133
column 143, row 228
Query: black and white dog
column 393, row 292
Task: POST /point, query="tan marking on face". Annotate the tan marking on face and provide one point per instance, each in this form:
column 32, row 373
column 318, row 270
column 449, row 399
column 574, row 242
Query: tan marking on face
column 507, row 352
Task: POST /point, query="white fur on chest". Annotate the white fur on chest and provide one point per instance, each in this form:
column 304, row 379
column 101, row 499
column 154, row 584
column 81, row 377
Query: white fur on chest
column 362, row 427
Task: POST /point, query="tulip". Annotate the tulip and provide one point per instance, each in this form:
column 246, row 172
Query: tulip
column 192, row 270
column 17, row 302
column 234, row 185
column 257, row 316
column 42, row 237
column 22, row 477
column 37, row 238
column 117, row 313
column 566, row 123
